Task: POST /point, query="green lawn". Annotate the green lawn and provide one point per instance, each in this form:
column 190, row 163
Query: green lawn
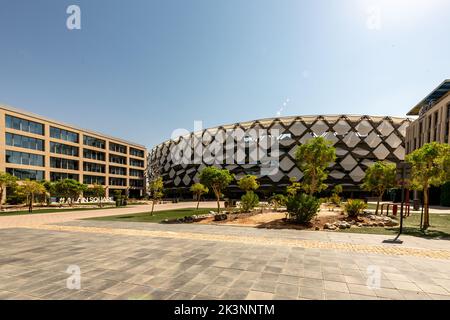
column 373, row 206
column 50, row 210
column 440, row 227
column 157, row 216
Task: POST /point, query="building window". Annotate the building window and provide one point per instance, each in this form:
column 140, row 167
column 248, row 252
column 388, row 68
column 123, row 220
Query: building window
column 93, row 180
column 16, row 140
column 94, row 155
column 436, row 126
column 56, row 176
column 117, row 159
column 136, row 173
column 420, row 134
column 447, row 124
column 117, row 182
column 136, row 163
column 136, row 152
column 94, row 142
column 24, row 158
column 24, row 125
column 93, row 167
column 62, row 134
column 136, row 183
column 24, row 174
column 429, row 129
column 61, row 163
column 117, row 148
column 118, row 170
column 65, row 149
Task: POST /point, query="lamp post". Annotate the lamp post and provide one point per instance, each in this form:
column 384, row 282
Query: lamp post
column 403, row 173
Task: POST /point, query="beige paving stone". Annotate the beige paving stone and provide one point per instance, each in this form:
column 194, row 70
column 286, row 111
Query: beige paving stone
column 258, row 295
column 336, row 286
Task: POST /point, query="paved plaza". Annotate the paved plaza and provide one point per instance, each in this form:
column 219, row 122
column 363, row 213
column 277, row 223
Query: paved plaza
column 128, row 260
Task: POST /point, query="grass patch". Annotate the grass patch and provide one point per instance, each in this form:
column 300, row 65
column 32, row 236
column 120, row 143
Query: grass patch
column 157, row 217
column 373, row 206
column 49, row 210
column 439, row 229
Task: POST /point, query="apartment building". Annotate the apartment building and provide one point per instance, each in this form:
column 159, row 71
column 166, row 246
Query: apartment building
column 37, row 148
column 433, row 119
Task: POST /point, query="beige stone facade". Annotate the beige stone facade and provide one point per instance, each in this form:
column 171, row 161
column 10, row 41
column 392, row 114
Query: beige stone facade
column 433, row 122
column 34, row 147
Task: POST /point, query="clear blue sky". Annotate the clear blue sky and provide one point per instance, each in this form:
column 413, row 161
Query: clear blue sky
column 140, row 69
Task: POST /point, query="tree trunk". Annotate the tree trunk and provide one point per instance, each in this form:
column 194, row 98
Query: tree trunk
column 153, row 206
column 218, row 202
column 312, row 186
column 198, row 201
column 426, row 213
column 380, row 197
column 30, row 205
column 1, row 197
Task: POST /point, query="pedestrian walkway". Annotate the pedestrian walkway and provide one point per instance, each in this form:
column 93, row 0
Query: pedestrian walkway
column 132, row 260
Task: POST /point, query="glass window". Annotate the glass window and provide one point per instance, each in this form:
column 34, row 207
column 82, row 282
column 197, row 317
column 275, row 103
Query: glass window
column 94, row 155
column 56, row 176
column 23, row 174
column 93, row 167
column 136, row 163
column 17, row 140
column 117, row 182
column 62, row 134
column 136, row 183
column 94, row 142
column 137, row 152
column 117, row 159
column 24, row 158
column 93, row 180
column 62, row 163
column 118, row 170
column 136, row 173
column 63, row 149
column 24, row 125
column 117, row 147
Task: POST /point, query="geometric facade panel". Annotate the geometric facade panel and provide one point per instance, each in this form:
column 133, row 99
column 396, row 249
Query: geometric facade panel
column 359, row 141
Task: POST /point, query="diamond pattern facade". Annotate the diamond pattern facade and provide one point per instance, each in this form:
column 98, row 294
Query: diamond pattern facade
column 359, row 141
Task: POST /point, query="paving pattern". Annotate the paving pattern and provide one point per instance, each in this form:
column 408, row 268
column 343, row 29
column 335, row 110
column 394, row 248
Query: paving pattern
column 126, row 260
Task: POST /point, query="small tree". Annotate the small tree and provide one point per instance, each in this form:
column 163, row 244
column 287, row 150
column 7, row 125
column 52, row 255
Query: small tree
column 198, row 190
column 31, row 189
column 294, row 187
column 49, row 190
column 249, row 200
column 98, row 191
column 379, row 177
column 313, row 158
column 429, row 167
column 217, row 180
column 248, row 183
column 6, row 181
column 337, row 189
column 277, row 200
column 69, row 189
column 156, row 189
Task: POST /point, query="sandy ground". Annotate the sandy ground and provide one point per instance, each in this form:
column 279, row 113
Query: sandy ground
column 274, row 220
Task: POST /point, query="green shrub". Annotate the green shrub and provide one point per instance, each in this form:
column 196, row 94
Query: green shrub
column 302, row 208
column 335, row 199
column 249, row 201
column 353, row 207
column 277, row 200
